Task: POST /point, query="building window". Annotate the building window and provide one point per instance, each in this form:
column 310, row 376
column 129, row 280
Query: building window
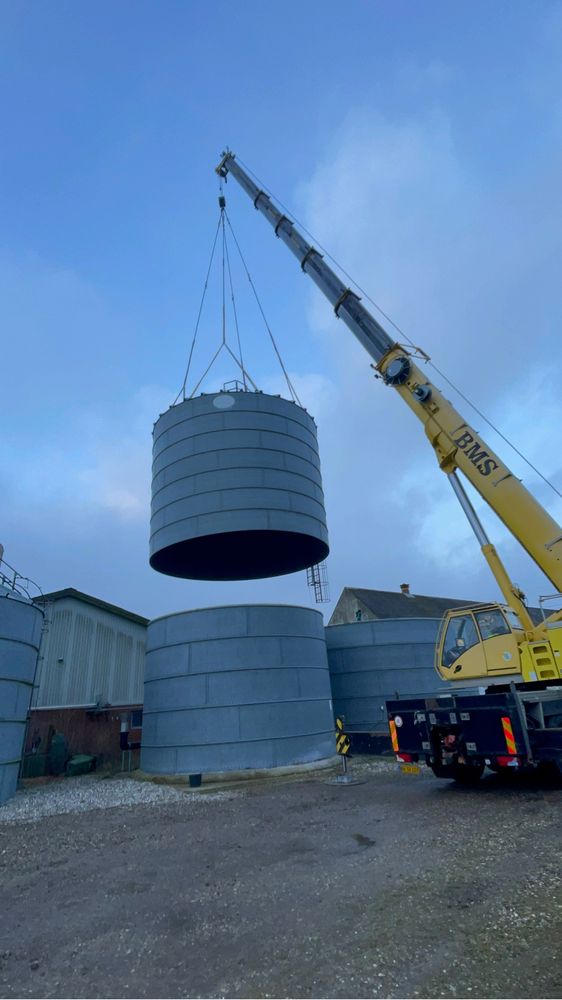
column 136, row 719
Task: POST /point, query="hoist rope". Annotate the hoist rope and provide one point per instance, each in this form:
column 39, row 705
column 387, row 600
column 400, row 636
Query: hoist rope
column 290, row 385
column 182, row 390
column 379, row 309
column 226, row 271
column 235, row 314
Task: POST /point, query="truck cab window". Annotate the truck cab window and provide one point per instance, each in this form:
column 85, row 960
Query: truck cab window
column 461, row 634
column 492, row 623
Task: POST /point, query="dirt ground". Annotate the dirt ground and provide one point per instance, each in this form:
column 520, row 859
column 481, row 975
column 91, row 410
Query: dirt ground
column 400, row 886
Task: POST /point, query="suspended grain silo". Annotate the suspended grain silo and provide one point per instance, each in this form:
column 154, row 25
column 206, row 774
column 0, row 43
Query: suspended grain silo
column 20, row 635
column 236, row 489
column 236, row 687
column 371, row 661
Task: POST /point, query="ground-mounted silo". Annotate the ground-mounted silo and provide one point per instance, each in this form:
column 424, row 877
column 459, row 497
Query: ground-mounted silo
column 20, row 636
column 371, row 661
column 236, row 488
column 236, row 687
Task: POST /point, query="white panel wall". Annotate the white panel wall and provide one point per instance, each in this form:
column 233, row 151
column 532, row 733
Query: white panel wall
column 89, row 656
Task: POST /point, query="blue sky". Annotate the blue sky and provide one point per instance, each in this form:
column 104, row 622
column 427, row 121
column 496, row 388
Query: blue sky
column 420, row 141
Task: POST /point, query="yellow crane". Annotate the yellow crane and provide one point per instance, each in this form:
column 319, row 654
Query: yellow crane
column 536, row 649
column 498, row 644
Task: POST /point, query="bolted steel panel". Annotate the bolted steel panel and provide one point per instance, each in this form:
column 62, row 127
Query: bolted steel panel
column 20, row 635
column 236, row 489
column 372, row 661
column 236, row 687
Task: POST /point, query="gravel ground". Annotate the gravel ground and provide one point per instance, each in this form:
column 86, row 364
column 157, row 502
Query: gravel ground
column 74, row 795
column 395, row 887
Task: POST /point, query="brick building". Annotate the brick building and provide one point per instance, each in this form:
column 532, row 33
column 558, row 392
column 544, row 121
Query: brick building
column 90, row 674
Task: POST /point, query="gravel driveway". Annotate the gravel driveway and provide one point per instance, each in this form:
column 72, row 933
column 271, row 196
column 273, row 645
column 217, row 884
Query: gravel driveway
column 397, row 887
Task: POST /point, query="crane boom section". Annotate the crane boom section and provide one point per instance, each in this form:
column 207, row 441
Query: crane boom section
column 456, row 444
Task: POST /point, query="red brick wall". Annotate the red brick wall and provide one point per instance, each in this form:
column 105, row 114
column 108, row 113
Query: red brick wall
column 86, row 732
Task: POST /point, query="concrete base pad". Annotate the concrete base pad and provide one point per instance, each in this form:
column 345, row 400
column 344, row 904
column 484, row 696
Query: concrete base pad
column 248, row 774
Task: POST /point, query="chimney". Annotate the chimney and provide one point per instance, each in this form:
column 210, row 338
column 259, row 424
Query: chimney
column 405, row 589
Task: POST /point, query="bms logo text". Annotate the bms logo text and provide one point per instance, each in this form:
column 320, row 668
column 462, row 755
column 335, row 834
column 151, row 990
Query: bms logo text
column 476, row 453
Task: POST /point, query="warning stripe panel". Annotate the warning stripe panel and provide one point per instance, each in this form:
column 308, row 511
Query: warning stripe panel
column 508, row 734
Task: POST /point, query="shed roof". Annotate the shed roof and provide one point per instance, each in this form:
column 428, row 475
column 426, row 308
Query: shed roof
column 57, row 595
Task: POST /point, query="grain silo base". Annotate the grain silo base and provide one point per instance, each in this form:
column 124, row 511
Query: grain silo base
column 20, row 634
column 372, row 661
column 236, row 688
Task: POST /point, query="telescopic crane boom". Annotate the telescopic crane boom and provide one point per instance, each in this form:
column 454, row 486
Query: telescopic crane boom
column 456, row 444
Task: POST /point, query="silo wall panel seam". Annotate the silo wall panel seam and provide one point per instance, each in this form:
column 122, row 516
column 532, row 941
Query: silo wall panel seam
column 164, row 642
column 248, row 740
column 258, row 422
column 188, row 487
column 235, row 498
column 383, row 658
column 256, row 441
column 14, row 699
column 230, row 458
column 166, row 631
column 264, row 708
column 280, row 518
column 225, row 461
column 201, row 759
column 290, row 682
column 226, row 670
column 14, row 679
column 11, row 740
column 217, row 657
column 225, row 522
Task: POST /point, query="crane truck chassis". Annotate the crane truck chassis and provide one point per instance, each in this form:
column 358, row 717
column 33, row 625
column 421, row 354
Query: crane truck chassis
column 458, row 734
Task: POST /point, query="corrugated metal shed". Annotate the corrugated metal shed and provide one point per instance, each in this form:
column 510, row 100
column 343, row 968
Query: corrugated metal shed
column 92, row 653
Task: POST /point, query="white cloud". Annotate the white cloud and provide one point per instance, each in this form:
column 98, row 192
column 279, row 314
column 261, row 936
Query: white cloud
column 472, row 283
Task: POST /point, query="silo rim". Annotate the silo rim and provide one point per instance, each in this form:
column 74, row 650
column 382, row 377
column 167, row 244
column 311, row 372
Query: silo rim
column 14, row 595
column 259, row 392
column 229, row 607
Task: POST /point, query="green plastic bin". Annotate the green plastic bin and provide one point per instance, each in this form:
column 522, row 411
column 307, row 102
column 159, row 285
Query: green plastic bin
column 80, row 764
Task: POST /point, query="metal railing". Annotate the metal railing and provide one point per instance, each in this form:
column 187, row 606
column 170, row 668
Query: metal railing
column 12, row 580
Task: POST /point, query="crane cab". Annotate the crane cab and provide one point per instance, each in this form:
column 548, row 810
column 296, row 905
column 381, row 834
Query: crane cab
column 479, row 642
column 488, row 641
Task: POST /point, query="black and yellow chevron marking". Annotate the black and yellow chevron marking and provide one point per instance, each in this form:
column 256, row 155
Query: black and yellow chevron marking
column 342, row 742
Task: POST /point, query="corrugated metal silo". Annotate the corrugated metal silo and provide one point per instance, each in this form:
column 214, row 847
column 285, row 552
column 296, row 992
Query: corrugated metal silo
column 236, row 489
column 236, row 687
column 20, row 635
column 371, row 661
